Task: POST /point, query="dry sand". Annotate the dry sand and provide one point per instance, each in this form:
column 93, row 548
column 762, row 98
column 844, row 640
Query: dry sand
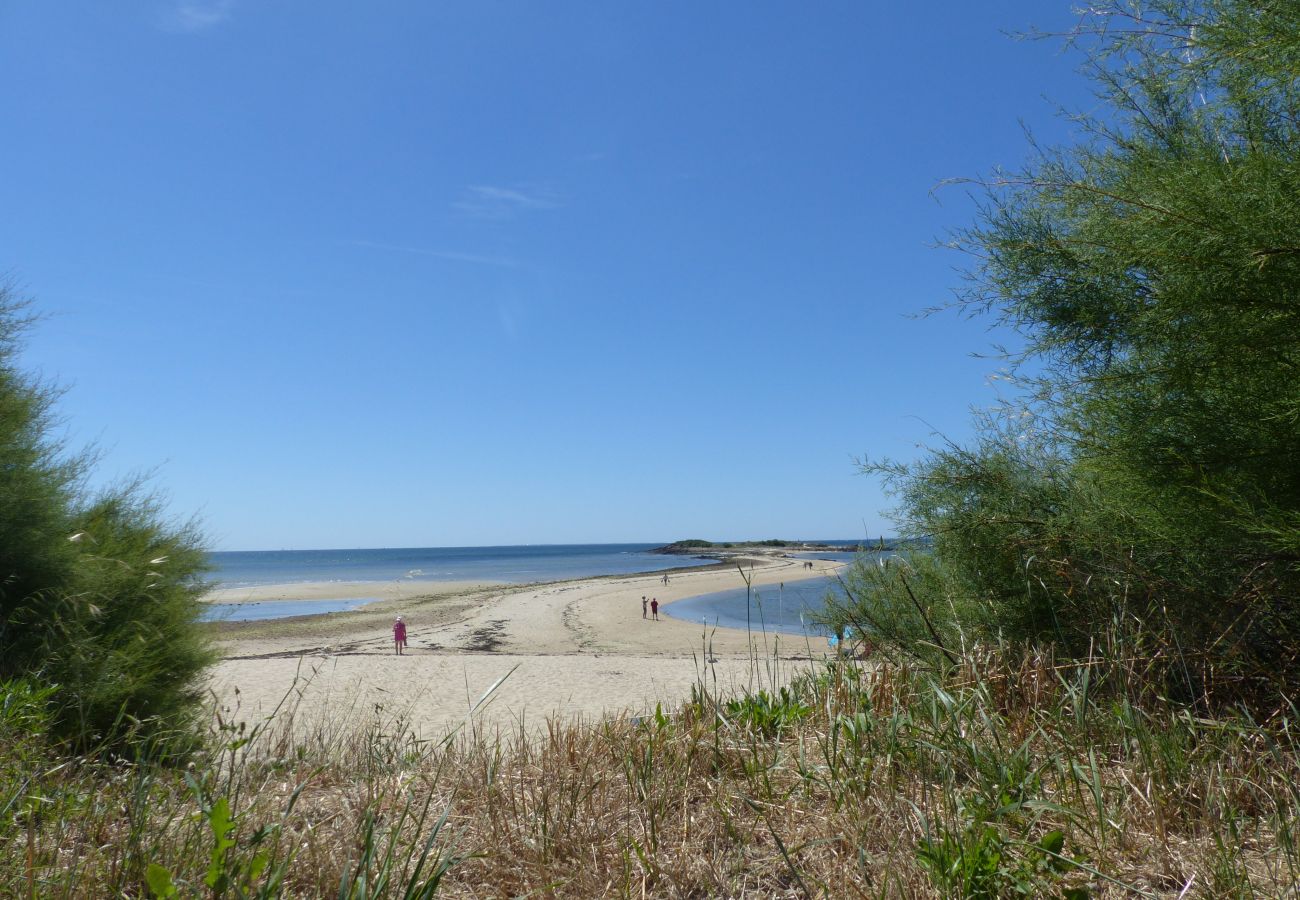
column 572, row 649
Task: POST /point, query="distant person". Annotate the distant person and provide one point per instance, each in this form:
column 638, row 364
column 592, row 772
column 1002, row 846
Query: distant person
column 644, row 604
column 654, row 609
column 399, row 636
column 665, row 578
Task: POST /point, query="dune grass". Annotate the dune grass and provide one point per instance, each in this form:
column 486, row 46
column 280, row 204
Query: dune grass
column 1004, row 776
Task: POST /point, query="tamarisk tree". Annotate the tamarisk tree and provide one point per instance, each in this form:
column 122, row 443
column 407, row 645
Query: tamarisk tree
column 1145, row 495
column 98, row 591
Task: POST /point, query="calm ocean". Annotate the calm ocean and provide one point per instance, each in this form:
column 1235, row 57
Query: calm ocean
column 516, row 565
column 775, row 608
column 784, row 608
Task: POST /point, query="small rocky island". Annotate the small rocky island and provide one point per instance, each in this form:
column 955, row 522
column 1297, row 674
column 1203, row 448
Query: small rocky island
column 774, row 547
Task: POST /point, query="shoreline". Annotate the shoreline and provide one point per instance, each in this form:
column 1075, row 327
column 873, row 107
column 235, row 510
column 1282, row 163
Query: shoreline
column 569, row 648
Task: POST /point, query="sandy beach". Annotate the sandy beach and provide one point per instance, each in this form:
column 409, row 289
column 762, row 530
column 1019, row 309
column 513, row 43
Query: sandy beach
column 572, row 649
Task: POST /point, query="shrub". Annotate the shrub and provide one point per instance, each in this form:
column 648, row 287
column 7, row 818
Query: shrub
column 1147, row 485
column 98, row 593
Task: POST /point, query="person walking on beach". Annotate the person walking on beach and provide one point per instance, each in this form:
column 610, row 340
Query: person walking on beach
column 665, row 578
column 399, row 636
column 654, row 609
column 644, row 603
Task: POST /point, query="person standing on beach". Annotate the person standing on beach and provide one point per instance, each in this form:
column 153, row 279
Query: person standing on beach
column 644, row 602
column 654, row 609
column 399, row 636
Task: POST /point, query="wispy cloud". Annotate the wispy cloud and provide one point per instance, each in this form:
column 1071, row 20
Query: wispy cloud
column 452, row 255
column 508, row 318
column 196, row 15
column 486, row 201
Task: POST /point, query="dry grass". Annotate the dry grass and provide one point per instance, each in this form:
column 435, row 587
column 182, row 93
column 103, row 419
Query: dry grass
column 1003, row 778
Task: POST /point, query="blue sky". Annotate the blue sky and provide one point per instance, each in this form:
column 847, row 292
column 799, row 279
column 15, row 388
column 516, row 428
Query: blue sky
column 426, row 274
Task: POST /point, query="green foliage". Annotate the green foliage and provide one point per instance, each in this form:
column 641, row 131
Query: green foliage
column 24, row 711
column 979, row 864
column 386, row 866
column 238, row 868
column 1149, row 482
column 36, row 495
column 136, row 649
column 98, row 593
column 160, row 882
column 915, row 605
column 24, row 733
column 767, row 713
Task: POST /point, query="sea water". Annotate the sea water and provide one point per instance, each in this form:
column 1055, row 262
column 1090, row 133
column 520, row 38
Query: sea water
column 508, row 564
column 786, row 609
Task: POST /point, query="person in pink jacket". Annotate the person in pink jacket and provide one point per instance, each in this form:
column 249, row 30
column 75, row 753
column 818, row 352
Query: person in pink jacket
column 399, row 636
